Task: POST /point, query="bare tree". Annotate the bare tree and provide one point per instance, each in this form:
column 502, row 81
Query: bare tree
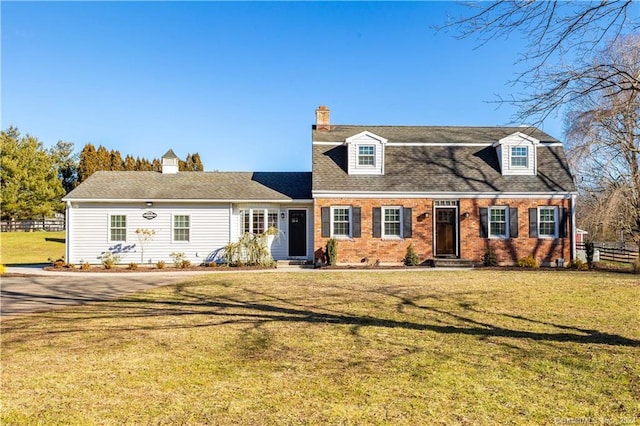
column 560, row 36
column 603, row 136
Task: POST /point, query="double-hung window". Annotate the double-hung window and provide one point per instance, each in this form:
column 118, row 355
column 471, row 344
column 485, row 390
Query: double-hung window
column 391, row 219
column 341, row 221
column 118, row 227
column 547, row 222
column 181, row 227
column 519, row 156
column 366, row 156
column 498, row 222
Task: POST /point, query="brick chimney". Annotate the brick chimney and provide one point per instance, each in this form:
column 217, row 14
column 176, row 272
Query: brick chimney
column 322, row 119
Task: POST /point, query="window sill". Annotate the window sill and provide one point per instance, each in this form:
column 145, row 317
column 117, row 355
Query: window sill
column 391, row 238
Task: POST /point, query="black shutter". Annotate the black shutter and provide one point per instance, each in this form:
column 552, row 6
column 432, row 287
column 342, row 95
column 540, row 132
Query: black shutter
column 407, row 222
column 325, row 214
column 533, row 223
column 513, row 223
column 562, row 231
column 356, row 222
column 377, row 222
column 484, row 222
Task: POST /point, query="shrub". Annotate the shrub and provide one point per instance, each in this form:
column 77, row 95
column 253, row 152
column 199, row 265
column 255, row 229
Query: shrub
column 489, row 258
column 411, row 258
column 589, row 249
column 578, row 264
column 133, row 266
column 179, row 259
column 249, row 250
column 528, row 262
column 109, row 259
column 332, row 251
column 58, row 263
column 160, row 264
column 85, row 266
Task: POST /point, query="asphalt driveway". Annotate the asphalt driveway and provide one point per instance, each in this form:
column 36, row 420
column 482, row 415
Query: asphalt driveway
column 28, row 290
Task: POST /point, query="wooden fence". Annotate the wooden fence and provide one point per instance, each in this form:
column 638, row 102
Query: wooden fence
column 614, row 252
column 53, row 224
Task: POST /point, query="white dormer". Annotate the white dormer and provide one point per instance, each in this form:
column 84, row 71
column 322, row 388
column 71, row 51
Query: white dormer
column 517, row 154
column 365, row 154
column 170, row 163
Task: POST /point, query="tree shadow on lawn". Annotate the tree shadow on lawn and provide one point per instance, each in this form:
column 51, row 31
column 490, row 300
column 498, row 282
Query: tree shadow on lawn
column 223, row 310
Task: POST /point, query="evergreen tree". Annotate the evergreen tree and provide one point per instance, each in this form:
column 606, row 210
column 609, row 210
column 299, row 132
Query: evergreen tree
column 28, row 177
column 129, row 163
column 116, row 161
column 197, row 163
column 88, row 162
column 104, row 158
column 67, row 163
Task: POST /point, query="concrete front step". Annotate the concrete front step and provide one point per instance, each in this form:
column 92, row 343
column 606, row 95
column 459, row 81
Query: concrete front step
column 294, row 264
column 452, row 263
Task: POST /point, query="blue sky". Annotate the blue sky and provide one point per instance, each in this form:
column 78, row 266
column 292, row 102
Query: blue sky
column 239, row 82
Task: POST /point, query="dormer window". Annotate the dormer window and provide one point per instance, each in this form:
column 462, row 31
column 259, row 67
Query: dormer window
column 519, row 156
column 366, row 156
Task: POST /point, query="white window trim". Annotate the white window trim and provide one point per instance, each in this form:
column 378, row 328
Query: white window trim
column 126, row 220
column 250, row 211
column 173, row 229
column 333, row 234
column 382, row 223
column 506, row 222
column 366, row 166
column 526, row 157
column 555, row 222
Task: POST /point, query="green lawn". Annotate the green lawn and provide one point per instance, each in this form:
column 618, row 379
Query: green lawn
column 31, row 247
column 471, row 347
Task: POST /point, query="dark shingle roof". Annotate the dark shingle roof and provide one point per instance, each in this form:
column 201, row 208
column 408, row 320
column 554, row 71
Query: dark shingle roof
column 438, row 168
column 135, row 185
column 430, row 134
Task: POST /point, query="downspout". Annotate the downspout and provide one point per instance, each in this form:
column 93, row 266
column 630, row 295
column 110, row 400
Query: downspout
column 573, row 226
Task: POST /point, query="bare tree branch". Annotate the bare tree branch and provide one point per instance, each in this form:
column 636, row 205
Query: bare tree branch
column 555, row 31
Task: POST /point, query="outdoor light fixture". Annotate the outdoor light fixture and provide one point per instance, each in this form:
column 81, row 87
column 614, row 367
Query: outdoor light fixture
column 282, row 215
column 466, row 215
column 149, row 204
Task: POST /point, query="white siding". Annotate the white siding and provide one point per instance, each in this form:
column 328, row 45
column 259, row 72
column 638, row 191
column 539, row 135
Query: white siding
column 89, row 232
column 280, row 246
column 365, row 139
column 503, row 151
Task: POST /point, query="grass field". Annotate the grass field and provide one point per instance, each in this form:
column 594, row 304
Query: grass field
column 471, row 347
column 31, row 247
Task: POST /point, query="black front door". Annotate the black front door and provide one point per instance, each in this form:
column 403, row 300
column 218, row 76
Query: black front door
column 297, row 233
column 445, row 232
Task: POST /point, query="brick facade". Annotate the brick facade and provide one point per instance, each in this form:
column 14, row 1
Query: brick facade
column 367, row 249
